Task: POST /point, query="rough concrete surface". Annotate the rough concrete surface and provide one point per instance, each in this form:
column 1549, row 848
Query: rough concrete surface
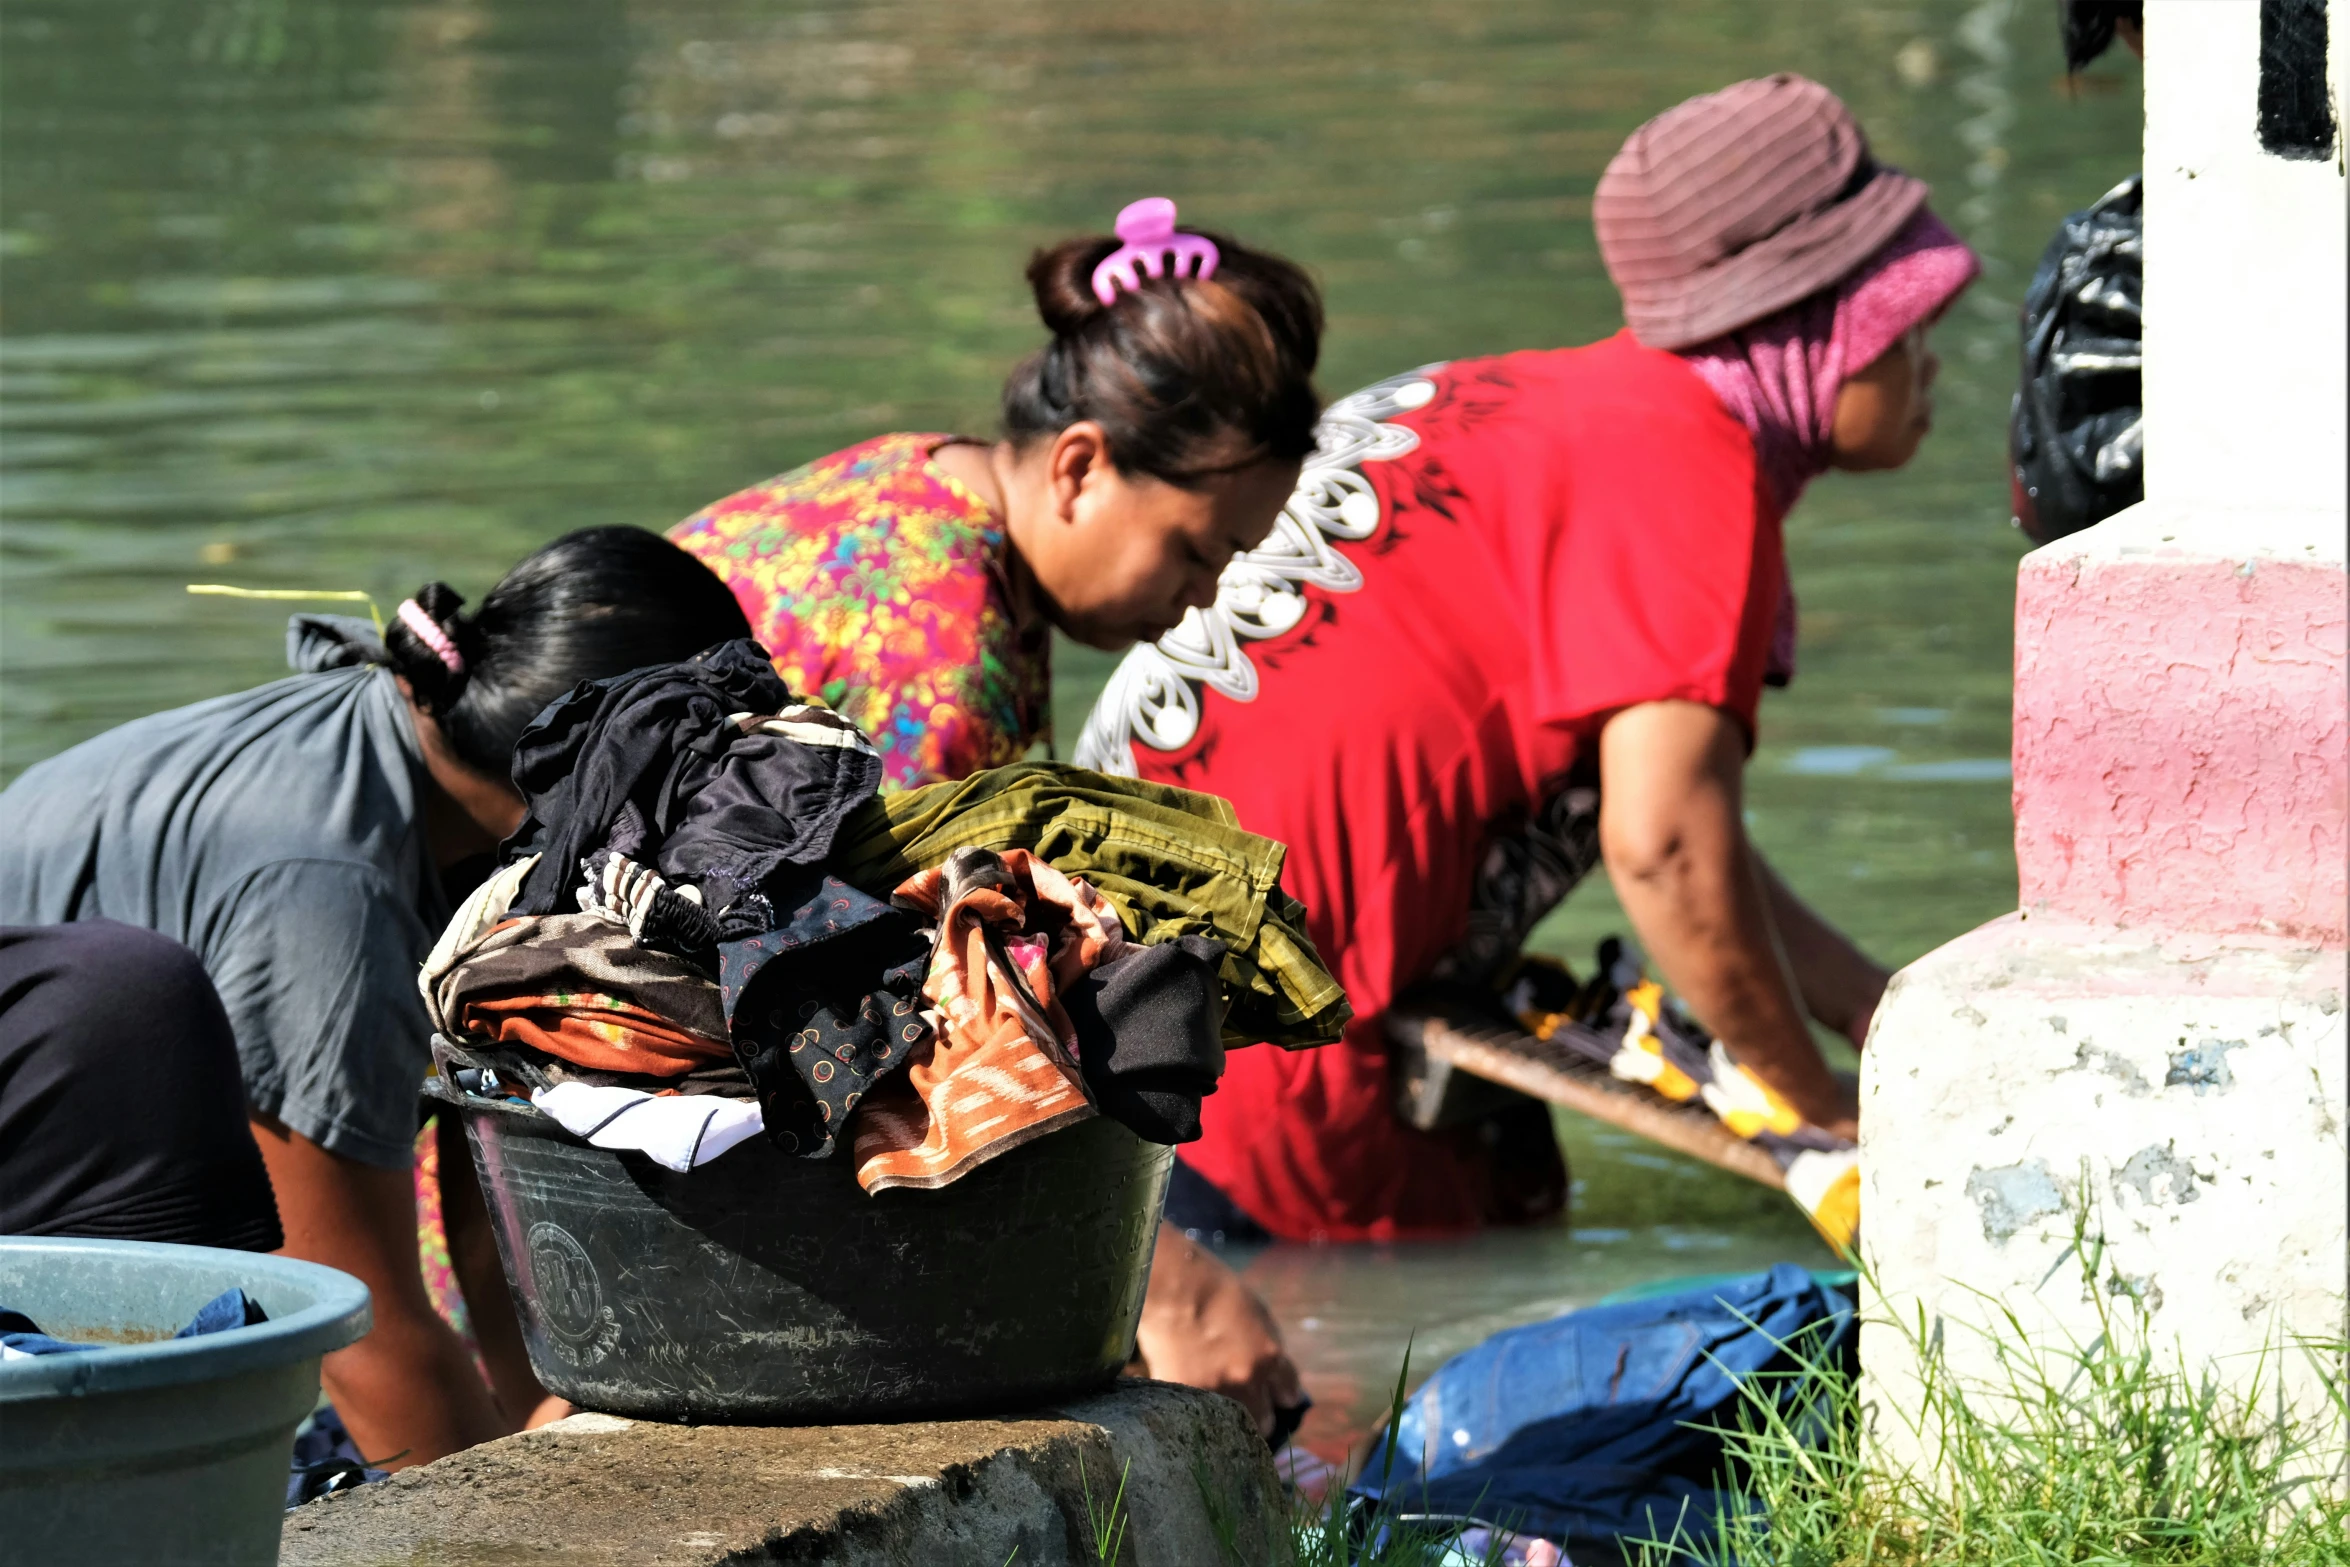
column 599, row 1491
column 2192, row 1090
column 2182, row 728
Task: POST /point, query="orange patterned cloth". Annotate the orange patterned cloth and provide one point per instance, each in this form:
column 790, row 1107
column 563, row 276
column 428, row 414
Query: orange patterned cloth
column 875, row 580
column 573, row 986
column 605, row 1033
column 1001, row 1067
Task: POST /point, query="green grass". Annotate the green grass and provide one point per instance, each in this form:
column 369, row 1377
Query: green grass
column 1334, row 1533
column 2109, row 1451
column 1108, row 1524
column 2102, row 1452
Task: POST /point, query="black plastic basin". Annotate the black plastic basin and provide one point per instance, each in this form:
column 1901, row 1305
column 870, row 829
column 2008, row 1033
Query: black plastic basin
column 768, row 1288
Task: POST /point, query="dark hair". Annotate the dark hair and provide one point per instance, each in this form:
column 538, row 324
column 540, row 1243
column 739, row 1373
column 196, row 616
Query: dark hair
column 597, row 602
column 1189, row 377
column 2086, row 28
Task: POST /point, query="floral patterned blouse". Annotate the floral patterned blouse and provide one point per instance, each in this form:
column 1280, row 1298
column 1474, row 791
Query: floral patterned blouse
column 876, row 582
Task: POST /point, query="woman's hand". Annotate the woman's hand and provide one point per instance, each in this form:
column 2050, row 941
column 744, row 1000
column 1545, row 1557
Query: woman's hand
column 1204, row 1328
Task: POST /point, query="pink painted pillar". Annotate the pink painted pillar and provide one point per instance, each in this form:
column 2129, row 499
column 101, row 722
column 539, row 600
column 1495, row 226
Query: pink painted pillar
column 2182, row 740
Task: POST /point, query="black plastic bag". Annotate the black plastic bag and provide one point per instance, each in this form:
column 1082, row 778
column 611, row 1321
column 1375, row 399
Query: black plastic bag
column 2076, row 436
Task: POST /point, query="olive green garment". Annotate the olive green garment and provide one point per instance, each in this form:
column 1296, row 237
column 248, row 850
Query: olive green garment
column 1174, row 863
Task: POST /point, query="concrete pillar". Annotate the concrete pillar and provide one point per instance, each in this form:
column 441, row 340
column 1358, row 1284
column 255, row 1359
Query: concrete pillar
column 2157, row 1035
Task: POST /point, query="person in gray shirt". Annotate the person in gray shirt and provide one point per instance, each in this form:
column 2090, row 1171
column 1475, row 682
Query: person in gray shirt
column 305, row 839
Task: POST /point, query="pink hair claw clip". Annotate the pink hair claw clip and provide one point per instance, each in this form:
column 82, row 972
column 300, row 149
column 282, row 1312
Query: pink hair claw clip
column 1148, row 229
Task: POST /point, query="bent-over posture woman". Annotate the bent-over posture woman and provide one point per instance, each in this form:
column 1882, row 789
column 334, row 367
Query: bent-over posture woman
column 1518, row 620
column 307, row 839
column 912, row 581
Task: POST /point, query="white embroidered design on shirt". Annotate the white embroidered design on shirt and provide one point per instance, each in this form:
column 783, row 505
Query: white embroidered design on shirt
column 1153, row 695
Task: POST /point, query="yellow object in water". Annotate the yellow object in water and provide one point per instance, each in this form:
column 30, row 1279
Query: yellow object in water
column 1826, row 1186
column 1745, row 1103
column 1641, row 1057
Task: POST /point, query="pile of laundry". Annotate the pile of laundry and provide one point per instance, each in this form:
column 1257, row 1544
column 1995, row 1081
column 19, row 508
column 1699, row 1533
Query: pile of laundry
column 710, row 927
column 1621, row 1019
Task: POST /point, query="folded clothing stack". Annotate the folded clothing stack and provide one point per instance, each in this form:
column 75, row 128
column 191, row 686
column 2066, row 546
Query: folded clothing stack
column 710, row 926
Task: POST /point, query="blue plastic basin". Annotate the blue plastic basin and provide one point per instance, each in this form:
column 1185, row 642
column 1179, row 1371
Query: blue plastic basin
column 151, row 1449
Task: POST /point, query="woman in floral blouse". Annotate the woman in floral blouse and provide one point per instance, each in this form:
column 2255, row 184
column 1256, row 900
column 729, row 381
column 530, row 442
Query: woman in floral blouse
column 912, row 582
column 881, row 584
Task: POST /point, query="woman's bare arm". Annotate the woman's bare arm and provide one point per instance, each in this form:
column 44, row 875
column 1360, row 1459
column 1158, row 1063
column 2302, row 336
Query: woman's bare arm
column 1203, row 1327
column 1672, row 834
column 1841, row 984
column 407, row 1391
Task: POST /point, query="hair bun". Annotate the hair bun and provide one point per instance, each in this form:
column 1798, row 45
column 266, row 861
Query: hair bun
column 433, row 677
column 1062, row 280
column 1188, row 377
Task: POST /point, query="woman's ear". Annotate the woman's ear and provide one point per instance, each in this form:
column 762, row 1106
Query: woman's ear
column 1080, row 456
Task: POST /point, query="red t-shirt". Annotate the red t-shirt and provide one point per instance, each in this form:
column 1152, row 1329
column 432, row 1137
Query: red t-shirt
column 1485, row 562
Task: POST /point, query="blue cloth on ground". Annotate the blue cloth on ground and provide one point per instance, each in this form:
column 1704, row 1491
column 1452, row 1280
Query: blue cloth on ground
column 1579, row 1429
column 20, row 1336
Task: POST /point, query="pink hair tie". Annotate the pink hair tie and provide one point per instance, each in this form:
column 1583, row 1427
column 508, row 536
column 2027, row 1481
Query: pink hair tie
column 1148, row 228
column 412, row 616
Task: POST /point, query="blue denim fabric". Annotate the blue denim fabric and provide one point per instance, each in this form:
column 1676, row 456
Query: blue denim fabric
column 1579, row 1429
column 229, row 1309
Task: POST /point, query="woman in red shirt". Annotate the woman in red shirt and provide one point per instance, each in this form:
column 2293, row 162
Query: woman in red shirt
column 1516, row 621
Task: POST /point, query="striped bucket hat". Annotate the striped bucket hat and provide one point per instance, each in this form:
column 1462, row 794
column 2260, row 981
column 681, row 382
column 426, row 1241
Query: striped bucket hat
column 1729, row 207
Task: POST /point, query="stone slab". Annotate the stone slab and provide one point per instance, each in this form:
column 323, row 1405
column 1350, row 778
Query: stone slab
column 599, row 1491
column 2191, row 1091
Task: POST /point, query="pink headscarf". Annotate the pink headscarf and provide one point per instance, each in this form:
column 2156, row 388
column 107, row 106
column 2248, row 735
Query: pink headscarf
column 1780, row 376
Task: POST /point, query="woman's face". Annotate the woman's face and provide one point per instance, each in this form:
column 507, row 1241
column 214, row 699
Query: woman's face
column 1883, row 412
column 1118, row 557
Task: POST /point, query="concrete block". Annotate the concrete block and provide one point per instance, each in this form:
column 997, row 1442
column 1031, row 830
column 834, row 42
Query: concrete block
column 2192, row 1089
column 599, row 1491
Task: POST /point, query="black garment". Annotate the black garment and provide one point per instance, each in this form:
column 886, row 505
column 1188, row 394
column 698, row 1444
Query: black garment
column 648, row 764
column 821, row 983
column 122, row 1114
column 822, row 1005
column 658, row 916
column 2076, row 433
column 1150, row 1036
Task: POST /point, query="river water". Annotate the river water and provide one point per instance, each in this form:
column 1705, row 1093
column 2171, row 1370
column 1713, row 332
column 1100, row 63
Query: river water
column 326, row 294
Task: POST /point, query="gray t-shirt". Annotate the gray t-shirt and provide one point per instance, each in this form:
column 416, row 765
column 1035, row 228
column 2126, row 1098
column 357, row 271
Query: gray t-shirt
column 276, row 832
